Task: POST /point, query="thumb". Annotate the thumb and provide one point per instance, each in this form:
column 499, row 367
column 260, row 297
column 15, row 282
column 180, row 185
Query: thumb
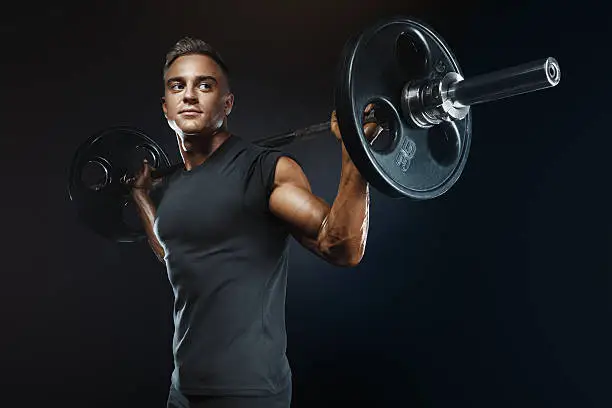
column 146, row 169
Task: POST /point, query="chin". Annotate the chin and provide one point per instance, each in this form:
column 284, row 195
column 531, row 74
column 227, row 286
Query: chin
column 187, row 128
column 192, row 130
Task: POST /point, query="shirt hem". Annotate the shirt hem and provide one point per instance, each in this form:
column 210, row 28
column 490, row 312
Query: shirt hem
column 237, row 391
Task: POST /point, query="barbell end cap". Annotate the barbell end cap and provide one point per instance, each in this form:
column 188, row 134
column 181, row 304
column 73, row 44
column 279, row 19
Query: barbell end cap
column 553, row 71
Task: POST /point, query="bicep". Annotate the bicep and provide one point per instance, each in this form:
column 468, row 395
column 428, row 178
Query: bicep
column 293, row 202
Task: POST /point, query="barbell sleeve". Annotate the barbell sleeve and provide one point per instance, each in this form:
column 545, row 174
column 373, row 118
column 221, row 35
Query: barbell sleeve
column 428, row 102
column 505, row 83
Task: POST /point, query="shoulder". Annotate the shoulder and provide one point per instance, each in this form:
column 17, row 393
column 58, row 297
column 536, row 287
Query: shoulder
column 288, row 170
column 271, row 158
column 275, row 166
column 289, row 176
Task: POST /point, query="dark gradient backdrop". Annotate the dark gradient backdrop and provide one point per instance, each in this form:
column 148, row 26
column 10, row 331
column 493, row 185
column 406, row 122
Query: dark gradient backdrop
column 495, row 295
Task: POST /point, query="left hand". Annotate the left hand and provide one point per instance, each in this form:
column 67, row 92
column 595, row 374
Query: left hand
column 371, row 130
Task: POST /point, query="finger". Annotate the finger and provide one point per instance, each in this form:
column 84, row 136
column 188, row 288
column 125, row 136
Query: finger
column 146, row 165
column 377, row 133
column 369, row 128
column 146, row 169
column 371, row 131
column 368, row 108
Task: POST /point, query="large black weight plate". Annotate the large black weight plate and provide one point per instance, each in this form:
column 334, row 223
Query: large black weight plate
column 374, row 67
column 94, row 182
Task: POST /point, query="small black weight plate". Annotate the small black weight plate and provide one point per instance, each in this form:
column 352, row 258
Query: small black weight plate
column 94, row 183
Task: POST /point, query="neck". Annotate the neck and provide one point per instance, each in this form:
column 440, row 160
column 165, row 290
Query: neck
column 196, row 149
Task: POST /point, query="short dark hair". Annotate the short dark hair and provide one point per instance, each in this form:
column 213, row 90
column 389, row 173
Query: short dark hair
column 190, row 46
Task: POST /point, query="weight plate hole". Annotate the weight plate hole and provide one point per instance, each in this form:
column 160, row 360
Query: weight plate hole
column 412, row 55
column 385, row 135
column 95, row 175
column 443, row 143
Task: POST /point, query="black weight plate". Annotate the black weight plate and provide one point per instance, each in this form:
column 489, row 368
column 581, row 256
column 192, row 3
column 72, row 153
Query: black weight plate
column 94, row 182
column 374, row 68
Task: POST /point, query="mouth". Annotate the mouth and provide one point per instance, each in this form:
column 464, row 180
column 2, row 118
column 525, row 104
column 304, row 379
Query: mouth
column 190, row 112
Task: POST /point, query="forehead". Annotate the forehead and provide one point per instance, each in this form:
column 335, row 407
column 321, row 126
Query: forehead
column 194, row 65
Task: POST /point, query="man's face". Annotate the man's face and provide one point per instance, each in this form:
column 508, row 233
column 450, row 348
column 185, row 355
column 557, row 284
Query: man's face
column 196, row 98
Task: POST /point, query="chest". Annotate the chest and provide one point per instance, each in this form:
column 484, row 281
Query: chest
column 205, row 207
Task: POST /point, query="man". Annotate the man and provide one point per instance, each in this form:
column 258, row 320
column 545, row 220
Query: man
column 222, row 225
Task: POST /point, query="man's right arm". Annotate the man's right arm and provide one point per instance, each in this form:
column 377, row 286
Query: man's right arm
column 141, row 186
column 146, row 212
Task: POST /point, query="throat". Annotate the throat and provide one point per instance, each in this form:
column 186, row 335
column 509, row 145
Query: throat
column 196, row 149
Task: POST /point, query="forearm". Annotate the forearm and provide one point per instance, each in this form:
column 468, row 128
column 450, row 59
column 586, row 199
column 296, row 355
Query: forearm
column 146, row 212
column 343, row 234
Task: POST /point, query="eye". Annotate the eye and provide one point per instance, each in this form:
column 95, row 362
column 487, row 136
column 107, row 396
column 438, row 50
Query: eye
column 205, row 86
column 176, row 86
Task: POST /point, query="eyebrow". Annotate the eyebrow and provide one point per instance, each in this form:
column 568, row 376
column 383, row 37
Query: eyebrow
column 199, row 78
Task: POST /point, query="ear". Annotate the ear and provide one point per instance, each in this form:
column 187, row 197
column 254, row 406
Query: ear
column 229, row 103
column 164, row 106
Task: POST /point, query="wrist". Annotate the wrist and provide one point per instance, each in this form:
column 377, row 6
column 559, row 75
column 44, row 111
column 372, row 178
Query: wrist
column 350, row 172
column 140, row 193
column 346, row 158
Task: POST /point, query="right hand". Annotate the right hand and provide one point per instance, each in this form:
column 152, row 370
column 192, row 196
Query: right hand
column 141, row 182
column 371, row 130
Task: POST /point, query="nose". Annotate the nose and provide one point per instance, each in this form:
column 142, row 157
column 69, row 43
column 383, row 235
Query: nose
column 190, row 94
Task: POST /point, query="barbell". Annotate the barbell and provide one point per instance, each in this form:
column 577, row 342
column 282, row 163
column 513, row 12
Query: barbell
column 400, row 66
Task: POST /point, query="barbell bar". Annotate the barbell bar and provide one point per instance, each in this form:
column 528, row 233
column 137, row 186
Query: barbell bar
column 400, row 66
column 440, row 97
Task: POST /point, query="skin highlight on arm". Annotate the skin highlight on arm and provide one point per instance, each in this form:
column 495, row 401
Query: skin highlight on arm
column 336, row 233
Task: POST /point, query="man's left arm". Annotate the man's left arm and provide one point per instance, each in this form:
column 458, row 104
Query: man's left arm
column 336, row 233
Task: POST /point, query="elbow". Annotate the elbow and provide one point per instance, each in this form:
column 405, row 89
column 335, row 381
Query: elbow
column 342, row 255
column 349, row 262
column 342, row 247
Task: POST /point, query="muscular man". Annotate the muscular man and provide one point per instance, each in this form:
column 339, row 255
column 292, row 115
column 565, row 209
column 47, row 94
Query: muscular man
column 222, row 225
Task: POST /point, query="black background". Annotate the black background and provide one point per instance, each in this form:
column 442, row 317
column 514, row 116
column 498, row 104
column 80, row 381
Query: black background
column 497, row 294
